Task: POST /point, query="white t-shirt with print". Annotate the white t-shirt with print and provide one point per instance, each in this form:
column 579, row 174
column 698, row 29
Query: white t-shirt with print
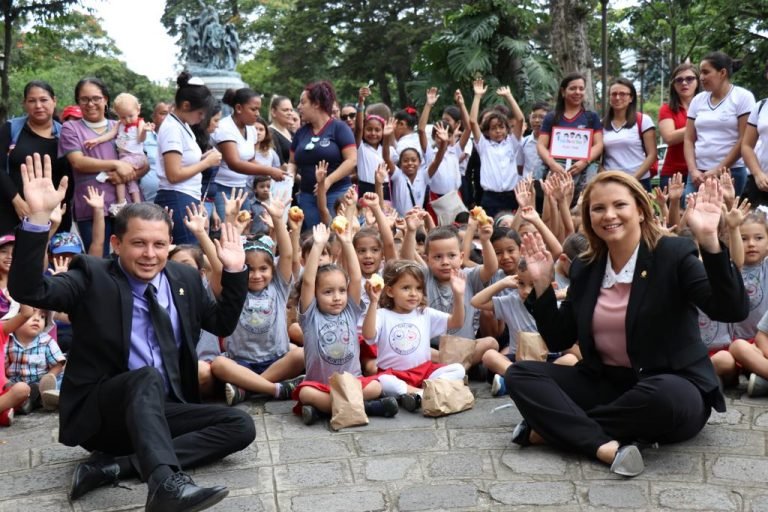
column 624, row 149
column 176, row 136
column 330, row 342
column 440, row 297
column 246, row 150
column 261, row 333
column 755, row 279
column 403, row 338
column 717, row 126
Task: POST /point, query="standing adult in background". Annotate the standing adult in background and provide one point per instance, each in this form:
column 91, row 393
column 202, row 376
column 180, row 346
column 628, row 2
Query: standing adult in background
column 93, row 97
column 321, row 138
column 570, row 112
column 130, row 393
column 645, row 375
column 673, row 118
column 281, row 121
column 150, row 181
column 756, row 156
column 629, row 137
column 717, row 120
column 34, row 132
column 181, row 160
column 236, row 140
column 348, row 115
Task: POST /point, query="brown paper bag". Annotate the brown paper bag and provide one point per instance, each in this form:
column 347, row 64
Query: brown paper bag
column 442, row 397
column 347, row 408
column 455, row 349
column 530, row 347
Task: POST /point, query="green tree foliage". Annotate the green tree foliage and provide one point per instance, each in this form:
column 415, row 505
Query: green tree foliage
column 63, row 50
column 490, row 39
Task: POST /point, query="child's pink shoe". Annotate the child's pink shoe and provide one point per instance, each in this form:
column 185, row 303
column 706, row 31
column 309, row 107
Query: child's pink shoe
column 6, row 418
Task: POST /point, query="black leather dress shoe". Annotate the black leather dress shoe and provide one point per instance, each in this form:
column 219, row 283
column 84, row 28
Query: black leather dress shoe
column 178, row 493
column 92, row 474
column 521, row 436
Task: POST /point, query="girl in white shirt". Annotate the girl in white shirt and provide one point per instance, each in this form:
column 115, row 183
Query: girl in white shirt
column 756, row 155
column 182, row 160
column 629, row 137
column 717, row 120
column 402, row 330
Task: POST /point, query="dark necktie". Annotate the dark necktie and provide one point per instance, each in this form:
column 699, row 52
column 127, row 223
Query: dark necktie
column 161, row 323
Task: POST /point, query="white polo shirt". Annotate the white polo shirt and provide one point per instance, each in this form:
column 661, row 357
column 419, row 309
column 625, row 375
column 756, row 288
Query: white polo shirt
column 176, row 136
column 447, row 177
column 498, row 161
column 760, row 121
column 717, row 126
column 246, row 150
column 624, row 150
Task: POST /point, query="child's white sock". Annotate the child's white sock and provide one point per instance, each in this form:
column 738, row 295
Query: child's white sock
column 278, row 388
column 454, row 371
column 392, row 386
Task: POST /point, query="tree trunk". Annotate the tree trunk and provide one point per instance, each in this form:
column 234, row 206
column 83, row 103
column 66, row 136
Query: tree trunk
column 5, row 89
column 673, row 43
column 570, row 45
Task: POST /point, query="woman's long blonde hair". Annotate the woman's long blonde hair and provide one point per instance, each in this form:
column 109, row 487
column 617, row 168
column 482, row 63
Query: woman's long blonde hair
column 650, row 231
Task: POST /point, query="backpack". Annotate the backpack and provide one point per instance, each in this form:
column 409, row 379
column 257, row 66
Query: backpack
column 654, row 168
column 17, row 124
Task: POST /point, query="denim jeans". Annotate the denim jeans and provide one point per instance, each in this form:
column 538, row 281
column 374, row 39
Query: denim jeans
column 178, row 202
column 308, row 203
column 85, row 227
column 216, row 190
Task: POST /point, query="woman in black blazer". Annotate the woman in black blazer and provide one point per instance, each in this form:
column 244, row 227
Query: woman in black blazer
column 631, row 306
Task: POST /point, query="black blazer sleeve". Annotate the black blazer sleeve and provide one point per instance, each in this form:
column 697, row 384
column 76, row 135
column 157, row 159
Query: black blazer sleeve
column 220, row 317
column 716, row 287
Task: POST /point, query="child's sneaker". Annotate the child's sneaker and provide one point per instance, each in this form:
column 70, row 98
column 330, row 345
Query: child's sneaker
column 50, row 399
column 6, row 418
column 386, row 407
column 498, row 386
column 410, row 401
column 115, row 208
column 288, row 386
column 234, row 394
column 309, row 414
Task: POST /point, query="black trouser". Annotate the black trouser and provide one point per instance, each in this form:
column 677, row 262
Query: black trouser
column 495, row 202
column 755, row 196
column 575, row 410
column 137, row 420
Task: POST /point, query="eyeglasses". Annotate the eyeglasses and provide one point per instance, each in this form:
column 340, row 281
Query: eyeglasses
column 84, row 100
column 311, row 144
column 685, row 80
column 348, row 117
column 620, row 94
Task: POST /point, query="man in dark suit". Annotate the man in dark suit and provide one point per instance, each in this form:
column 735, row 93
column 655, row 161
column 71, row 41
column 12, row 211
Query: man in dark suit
column 130, row 390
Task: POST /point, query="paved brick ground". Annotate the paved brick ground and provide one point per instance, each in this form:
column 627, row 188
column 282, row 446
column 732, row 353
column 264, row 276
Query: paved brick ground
column 410, row 463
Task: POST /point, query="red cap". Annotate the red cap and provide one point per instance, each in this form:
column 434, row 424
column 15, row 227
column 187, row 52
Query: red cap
column 71, row 111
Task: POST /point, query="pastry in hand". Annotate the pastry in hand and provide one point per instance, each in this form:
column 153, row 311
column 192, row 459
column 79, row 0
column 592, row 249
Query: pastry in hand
column 377, row 283
column 244, row 216
column 482, row 218
column 339, row 224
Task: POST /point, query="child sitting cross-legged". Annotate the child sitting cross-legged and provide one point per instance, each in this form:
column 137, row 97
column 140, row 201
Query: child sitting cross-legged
column 329, row 309
column 259, row 355
column 33, row 357
column 402, row 328
column 11, row 394
column 510, row 307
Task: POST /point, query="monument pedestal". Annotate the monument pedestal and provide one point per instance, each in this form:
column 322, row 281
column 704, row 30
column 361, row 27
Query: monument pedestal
column 218, row 81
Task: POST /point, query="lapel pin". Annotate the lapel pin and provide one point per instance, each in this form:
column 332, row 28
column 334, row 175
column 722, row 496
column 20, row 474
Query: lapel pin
column 643, row 274
column 181, row 291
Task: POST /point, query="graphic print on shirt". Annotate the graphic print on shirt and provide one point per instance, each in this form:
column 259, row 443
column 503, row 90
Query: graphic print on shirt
column 335, row 341
column 753, row 286
column 404, row 338
column 258, row 315
column 709, row 329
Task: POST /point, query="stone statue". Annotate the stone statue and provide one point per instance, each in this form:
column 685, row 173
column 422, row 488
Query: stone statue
column 208, row 44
